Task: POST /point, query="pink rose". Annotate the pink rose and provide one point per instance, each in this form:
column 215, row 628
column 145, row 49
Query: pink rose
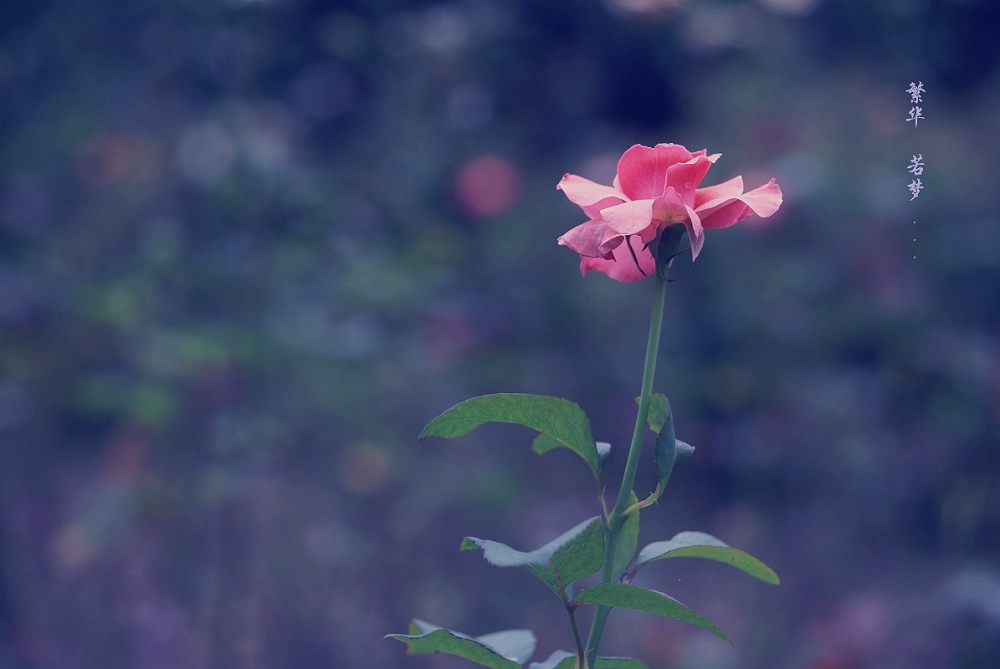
column 655, row 187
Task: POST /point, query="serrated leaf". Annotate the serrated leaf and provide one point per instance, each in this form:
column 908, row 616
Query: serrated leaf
column 701, row 545
column 628, row 542
column 575, row 554
column 500, row 650
column 650, row 601
column 561, row 422
column 562, row 659
column 580, row 557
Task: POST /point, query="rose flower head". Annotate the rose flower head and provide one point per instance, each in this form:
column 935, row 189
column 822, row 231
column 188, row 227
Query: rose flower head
column 655, row 187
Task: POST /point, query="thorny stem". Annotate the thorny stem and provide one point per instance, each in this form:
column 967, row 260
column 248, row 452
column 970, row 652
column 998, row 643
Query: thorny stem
column 616, row 519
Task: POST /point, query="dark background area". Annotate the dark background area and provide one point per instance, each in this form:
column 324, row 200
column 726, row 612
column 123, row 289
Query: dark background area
column 249, row 248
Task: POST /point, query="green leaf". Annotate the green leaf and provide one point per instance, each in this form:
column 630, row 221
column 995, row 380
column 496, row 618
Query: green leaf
column 575, row 554
column 701, row 545
column 619, row 663
column 543, row 444
column 561, row 422
column 684, row 451
column 659, row 409
column 669, row 450
column 562, row 659
column 666, row 451
column 603, row 451
column 559, row 659
column 628, row 542
column 500, row 650
column 641, row 599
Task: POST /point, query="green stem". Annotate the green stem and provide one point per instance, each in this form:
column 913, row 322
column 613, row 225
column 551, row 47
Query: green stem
column 576, row 631
column 617, row 518
column 652, row 345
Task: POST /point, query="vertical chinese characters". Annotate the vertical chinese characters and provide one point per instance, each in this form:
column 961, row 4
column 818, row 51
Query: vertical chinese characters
column 916, row 168
column 916, row 111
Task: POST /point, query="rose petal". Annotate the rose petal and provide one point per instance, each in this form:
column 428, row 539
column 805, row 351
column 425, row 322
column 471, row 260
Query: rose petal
column 696, row 233
column 630, row 218
column 703, row 153
column 685, row 177
column 622, row 266
column 654, row 188
column 764, row 200
column 588, row 238
column 594, row 210
column 642, row 171
column 584, row 192
column 724, row 191
column 610, row 244
column 670, row 207
column 727, row 204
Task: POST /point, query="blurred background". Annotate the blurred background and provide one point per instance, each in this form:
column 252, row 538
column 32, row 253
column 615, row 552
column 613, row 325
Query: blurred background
column 249, row 248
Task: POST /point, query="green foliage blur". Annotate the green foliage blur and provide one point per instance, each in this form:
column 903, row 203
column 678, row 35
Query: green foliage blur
column 249, row 248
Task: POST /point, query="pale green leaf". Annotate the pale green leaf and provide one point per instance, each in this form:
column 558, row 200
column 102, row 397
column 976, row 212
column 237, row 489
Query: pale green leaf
column 559, row 659
column 619, row 663
column 562, row 659
column 561, row 422
column 701, row 545
column 575, row 554
column 500, row 650
column 543, row 443
column 668, row 450
column 659, row 409
column 603, row 451
column 641, row 599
